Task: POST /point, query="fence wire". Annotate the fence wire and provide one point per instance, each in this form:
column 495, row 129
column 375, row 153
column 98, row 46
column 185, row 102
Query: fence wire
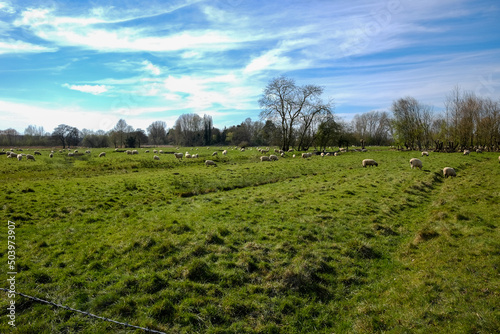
column 82, row 312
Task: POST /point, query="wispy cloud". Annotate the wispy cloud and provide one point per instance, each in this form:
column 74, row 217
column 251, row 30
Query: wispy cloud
column 91, row 89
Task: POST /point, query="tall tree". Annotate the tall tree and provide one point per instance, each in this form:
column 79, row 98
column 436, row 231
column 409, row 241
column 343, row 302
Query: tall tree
column 291, row 107
column 120, row 132
column 412, row 122
column 157, row 132
column 61, row 133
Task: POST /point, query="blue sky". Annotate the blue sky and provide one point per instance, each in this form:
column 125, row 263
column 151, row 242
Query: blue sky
column 88, row 64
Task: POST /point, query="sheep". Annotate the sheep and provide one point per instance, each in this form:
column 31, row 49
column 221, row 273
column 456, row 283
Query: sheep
column 265, row 158
column 224, row 152
column 135, row 152
column 293, row 156
column 102, row 154
column 87, row 152
column 448, row 171
column 178, row 156
column 76, row 151
column 194, row 156
column 156, row 157
column 290, row 150
column 155, row 151
column 369, row 162
column 210, row 163
column 147, row 151
column 51, row 155
column 499, row 159
column 364, row 150
column 479, row 151
column 214, row 154
column 466, row 152
column 242, row 149
column 37, row 153
column 282, row 154
column 19, row 157
column 415, row 163
column 425, row 153
column 161, row 152
column 187, row 156
column 71, row 154
column 30, row 157
column 273, row 157
column 128, row 151
column 13, row 155
column 306, row 155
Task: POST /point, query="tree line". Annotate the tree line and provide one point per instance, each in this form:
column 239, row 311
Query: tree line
column 295, row 116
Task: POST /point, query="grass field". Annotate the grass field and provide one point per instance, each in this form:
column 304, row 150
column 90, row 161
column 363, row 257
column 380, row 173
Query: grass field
column 317, row 245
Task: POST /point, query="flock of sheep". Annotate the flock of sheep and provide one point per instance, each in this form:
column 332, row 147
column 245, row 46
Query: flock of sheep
column 414, row 162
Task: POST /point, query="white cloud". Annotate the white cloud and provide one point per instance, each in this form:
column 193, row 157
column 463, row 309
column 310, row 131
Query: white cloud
column 6, row 8
column 91, row 89
column 148, row 66
column 13, row 46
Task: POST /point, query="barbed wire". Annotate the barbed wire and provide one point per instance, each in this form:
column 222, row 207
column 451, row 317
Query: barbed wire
column 82, row 312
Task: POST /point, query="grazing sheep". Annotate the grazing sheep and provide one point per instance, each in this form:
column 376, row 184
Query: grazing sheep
column 369, row 162
column 30, row 157
column 416, row 163
column 466, row 152
column 135, row 152
column 128, row 151
column 479, row 151
column 187, row 156
column 71, row 154
column 242, row 149
column 13, row 155
column 224, row 152
column 194, row 156
column 290, row 150
column 37, row 153
column 282, row 154
column 178, row 156
column 147, row 151
column 425, row 153
column 210, row 163
column 155, row 151
column 19, row 157
column 448, row 171
column 306, row 155
column 214, row 154
column 273, row 157
column 293, row 156
column 51, row 155
column 364, row 150
column 76, row 151
column 161, row 152
column 156, row 157
column 102, row 154
column 87, row 151
column 265, row 158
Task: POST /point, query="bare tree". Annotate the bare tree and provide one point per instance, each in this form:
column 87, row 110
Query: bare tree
column 412, row 122
column 291, row 107
column 157, row 132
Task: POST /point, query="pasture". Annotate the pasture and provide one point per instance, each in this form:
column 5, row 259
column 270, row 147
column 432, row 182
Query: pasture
column 318, row 245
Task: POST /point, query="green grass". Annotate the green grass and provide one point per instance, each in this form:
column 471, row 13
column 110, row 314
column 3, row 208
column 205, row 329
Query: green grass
column 294, row 246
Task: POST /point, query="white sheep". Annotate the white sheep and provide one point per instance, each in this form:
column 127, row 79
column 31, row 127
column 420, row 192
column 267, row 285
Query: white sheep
column 210, row 163
column 71, row 154
column 265, row 158
column 19, row 157
column 448, row 171
column 224, row 152
column 156, row 157
column 51, row 155
column 188, row 156
column 155, row 151
column 102, row 154
column 178, row 156
column 135, row 152
column 194, row 156
column 306, row 155
column 87, row 151
column 466, row 152
column 293, row 156
column 242, row 149
column 161, row 152
column 30, row 157
column 479, row 151
column 425, row 153
column 369, row 162
column 147, row 151
column 273, row 157
column 415, row 163
column 214, row 154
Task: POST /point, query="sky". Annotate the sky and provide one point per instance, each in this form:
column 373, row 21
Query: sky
column 88, row 64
